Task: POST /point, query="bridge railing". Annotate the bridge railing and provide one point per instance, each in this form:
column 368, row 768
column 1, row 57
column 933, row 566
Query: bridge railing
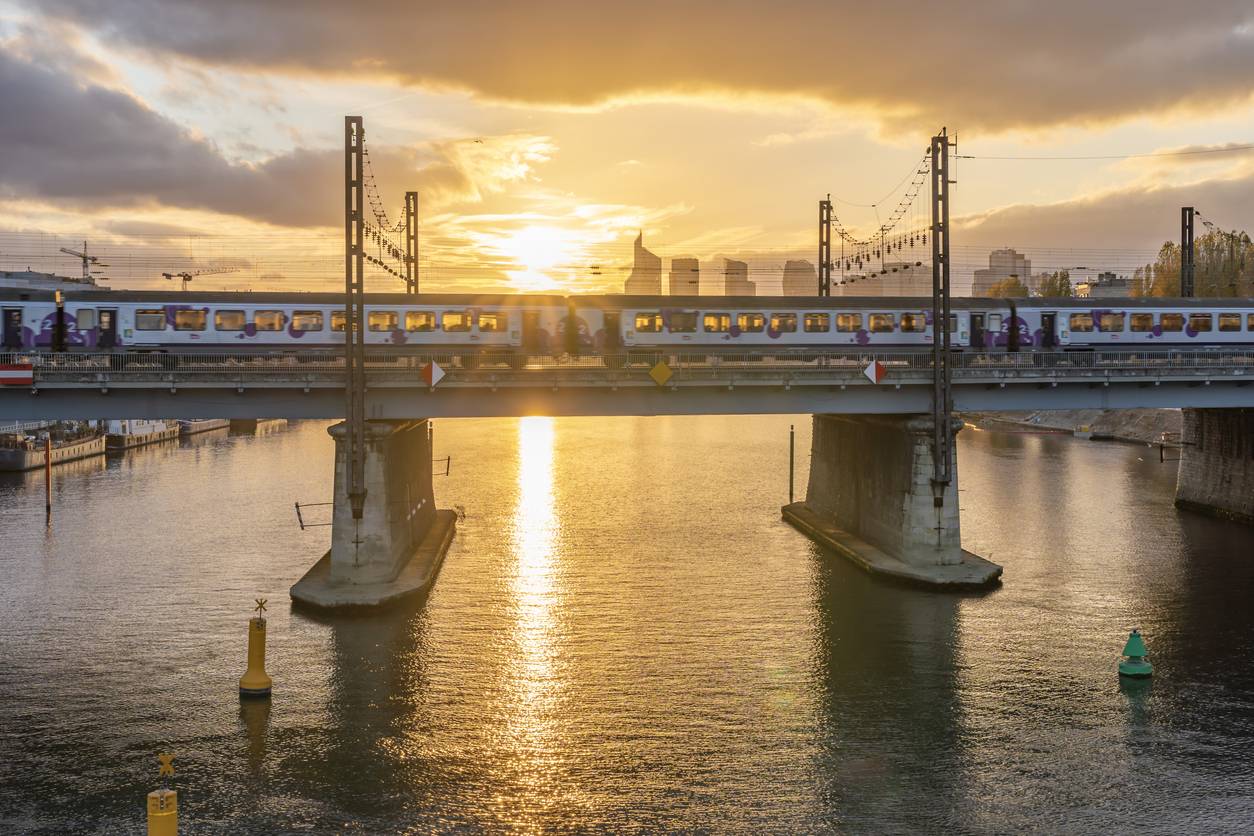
column 489, row 366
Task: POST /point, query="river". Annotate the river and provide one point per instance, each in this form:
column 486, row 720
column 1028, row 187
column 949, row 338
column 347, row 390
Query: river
column 624, row 637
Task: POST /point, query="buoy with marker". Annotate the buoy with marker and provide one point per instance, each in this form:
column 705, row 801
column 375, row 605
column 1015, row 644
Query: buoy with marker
column 163, row 804
column 1136, row 662
column 256, row 682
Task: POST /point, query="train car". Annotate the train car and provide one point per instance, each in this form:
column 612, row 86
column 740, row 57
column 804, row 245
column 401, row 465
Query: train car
column 249, row 322
column 515, row 326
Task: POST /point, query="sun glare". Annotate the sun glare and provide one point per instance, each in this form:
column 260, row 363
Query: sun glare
column 542, row 254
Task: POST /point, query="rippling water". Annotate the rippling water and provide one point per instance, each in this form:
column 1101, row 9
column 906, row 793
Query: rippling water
column 624, row 637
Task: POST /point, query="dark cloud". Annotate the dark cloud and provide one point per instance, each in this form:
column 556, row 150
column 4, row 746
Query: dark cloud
column 978, row 64
column 1138, row 217
column 83, row 145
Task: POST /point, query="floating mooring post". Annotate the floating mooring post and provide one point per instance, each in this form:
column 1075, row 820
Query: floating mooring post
column 256, row 682
column 163, row 804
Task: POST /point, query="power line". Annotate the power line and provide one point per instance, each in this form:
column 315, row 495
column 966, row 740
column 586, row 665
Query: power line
column 1183, row 153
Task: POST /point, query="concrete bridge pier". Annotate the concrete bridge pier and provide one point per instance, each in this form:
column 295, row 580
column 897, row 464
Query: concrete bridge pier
column 871, row 499
column 396, row 548
column 1217, row 463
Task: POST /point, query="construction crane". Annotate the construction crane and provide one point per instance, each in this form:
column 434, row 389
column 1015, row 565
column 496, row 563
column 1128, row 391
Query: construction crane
column 186, row 277
column 89, row 261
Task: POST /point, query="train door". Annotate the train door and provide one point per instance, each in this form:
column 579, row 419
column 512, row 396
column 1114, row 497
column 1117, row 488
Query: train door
column 977, row 329
column 12, row 337
column 1049, row 329
column 108, row 325
column 613, row 336
column 531, row 332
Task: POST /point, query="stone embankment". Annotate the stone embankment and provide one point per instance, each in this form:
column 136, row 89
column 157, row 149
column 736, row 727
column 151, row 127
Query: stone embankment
column 1139, row 426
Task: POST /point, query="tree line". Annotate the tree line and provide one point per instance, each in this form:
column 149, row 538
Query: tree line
column 1223, row 265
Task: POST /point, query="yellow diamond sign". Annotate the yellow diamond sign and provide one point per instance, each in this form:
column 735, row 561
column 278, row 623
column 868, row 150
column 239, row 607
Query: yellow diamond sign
column 661, row 373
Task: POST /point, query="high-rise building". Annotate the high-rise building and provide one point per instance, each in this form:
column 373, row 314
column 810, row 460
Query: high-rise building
column 646, row 272
column 800, row 279
column 736, row 279
column 1002, row 264
column 685, row 277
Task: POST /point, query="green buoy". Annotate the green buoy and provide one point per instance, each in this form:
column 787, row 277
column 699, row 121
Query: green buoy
column 1135, row 663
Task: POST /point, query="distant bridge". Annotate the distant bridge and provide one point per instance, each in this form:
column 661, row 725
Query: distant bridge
column 310, row 384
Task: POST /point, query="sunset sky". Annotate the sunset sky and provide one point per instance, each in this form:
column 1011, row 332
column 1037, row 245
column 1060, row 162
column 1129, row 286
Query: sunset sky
column 542, row 136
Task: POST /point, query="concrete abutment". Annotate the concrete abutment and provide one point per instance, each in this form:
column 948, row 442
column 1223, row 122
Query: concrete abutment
column 870, row 498
column 1217, row 463
column 395, row 550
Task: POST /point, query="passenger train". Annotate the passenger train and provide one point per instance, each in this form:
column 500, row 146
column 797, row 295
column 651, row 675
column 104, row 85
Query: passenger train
column 518, row 325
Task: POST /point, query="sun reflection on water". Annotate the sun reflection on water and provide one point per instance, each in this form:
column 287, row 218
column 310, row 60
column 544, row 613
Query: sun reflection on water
column 535, row 592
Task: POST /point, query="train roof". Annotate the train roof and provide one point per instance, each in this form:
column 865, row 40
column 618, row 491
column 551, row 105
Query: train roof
column 611, row 301
column 976, row 303
column 174, row 296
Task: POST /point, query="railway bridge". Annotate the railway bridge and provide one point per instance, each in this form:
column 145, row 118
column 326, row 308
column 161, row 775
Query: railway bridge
column 869, row 495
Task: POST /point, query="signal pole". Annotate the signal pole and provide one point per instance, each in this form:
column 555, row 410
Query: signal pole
column 942, row 395
column 411, row 242
column 354, row 312
column 1186, row 251
column 825, row 247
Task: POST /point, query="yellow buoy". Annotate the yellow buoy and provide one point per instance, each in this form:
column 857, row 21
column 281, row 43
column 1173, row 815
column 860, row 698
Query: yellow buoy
column 256, row 682
column 163, row 804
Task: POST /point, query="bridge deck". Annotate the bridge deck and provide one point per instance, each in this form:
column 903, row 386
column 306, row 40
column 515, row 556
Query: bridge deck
column 309, row 383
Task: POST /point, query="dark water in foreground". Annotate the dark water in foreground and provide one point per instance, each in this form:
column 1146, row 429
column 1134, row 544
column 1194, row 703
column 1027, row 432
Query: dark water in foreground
column 624, row 637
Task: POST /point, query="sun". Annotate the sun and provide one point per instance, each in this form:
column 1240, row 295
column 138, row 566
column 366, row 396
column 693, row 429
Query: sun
column 542, row 253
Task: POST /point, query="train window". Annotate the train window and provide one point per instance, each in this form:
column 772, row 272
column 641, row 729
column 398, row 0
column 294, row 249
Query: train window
column 85, row 318
column 682, row 322
column 268, row 320
column 1081, row 322
column 1249, row 322
column 493, row 322
column 750, row 322
column 228, row 320
column 1142, row 322
column 1229, row 322
column 816, row 323
column 457, row 320
column 421, row 320
column 338, row 321
column 783, row 323
column 150, row 319
column 882, row 323
column 994, row 322
column 306, row 320
column 953, row 323
column 1111, row 321
column 649, row 323
column 1199, row 321
column 1171, row 322
column 716, row 323
column 383, row 321
column 190, row 320
column 848, row 322
column 913, row 322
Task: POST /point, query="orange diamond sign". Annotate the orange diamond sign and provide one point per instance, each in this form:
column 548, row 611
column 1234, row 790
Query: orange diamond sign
column 661, row 373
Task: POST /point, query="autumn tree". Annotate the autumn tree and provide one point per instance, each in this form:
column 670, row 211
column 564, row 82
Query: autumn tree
column 1008, row 288
column 1056, row 285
